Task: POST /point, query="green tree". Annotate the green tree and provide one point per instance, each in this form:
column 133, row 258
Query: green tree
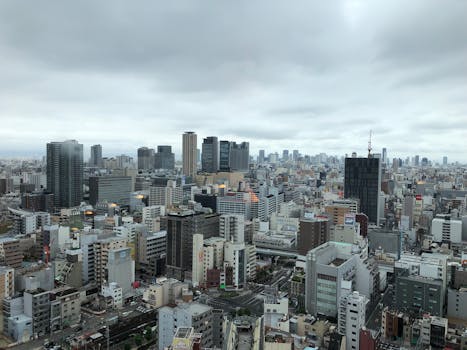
column 148, row 334
column 138, row 340
column 127, row 346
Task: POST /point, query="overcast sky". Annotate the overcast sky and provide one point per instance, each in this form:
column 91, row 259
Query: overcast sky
column 309, row 75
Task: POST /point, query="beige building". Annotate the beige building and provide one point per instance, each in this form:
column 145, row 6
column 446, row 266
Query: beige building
column 10, row 252
column 7, row 286
column 190, row 152
column 101, row 255
column 65, row 308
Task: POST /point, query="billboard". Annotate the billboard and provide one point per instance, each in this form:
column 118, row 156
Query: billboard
column 349, row 219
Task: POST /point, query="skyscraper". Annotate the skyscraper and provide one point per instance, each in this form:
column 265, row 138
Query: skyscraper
column 65, row 172
column 145, row 158
column 239, row 156
column 224, row 156
column 210, row 155
column 96, row 156
column 261, row 156
column 164, row 158
column 189, row 155
column 363, row 182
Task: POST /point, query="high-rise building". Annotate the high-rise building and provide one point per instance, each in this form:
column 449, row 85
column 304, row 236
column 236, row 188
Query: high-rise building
column 96, row 156
column 232, row 227
column 261, row 156
column 239, row 156
column 417, row 160
column 352, row 310
column 224, row 156
column 312, row 233
column 189, row 155
column 65, row 173
column 145, row 158
column 210, row 155
column 363, row 182
column 330, row 270
column 111, row 189
column 384, row 157
column 285, row 155
column 164, row 158
column 180, row 230
column 445, row 160
column 295, row 155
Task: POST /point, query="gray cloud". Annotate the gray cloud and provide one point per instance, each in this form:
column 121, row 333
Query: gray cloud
column 315, row 76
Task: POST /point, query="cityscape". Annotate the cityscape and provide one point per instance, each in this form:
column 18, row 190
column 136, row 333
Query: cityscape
column 248, row 175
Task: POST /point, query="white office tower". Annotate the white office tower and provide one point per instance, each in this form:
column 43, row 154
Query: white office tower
column 235, row 257
column 232, row 227
column 197, row 276
column 446, row 229
column 352, row 308
column 151, row 216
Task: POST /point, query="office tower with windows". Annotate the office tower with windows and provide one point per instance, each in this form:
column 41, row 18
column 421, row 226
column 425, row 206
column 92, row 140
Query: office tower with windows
column 210, row 155
column 65, row 172
column 145, row 158
column 363, row 182
column 239, row 156
column 164, row 158
column 224, row 156
column 189, row 153
column 96, row 156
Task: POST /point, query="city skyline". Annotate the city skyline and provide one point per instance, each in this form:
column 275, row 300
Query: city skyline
column 315, row 77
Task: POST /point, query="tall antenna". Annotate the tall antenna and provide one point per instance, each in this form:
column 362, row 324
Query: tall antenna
column 369, row 146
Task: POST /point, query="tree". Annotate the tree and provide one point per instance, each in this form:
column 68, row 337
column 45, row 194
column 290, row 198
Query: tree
column 127, row 346
column 138, row 340
column 148, row 333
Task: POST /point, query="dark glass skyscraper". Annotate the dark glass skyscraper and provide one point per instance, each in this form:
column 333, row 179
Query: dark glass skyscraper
column 363, row 182
column 224, row 156
column 96, row 156
column 210, row 155
column 239, row 156
column 65, row 172
column 145, row 158
column 164, row 158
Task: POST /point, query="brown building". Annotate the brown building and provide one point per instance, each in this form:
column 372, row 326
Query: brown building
column 369, row 339
column 10, row 252
column 337, row 209
column 6, row 282
column 312, row 233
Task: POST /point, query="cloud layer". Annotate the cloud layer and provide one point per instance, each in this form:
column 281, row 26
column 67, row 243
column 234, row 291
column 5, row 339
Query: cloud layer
column 312, row 75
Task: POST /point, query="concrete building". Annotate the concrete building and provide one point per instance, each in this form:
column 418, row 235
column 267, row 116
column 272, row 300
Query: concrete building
column 232, row 227
column 121, row 268
column 113, row 294
column 37, row 307
column 65, row 308
column 363, row 182
column 352, row 310
column 111, row 189
column 185, row 338
column 7, row 282
column 168, row 196
column 10, row 252
column 235, row 257
column 337, row 209
column 457, row 303
column 65, row 173
column 189, row 154
column 164, row 292
column 237, row 203
column 181, row 226
column 312, row 233
column 445, row 229
column 328, row 268
column 210, row 155
column 151, row 248
column 101, row 250
column 192, row 315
